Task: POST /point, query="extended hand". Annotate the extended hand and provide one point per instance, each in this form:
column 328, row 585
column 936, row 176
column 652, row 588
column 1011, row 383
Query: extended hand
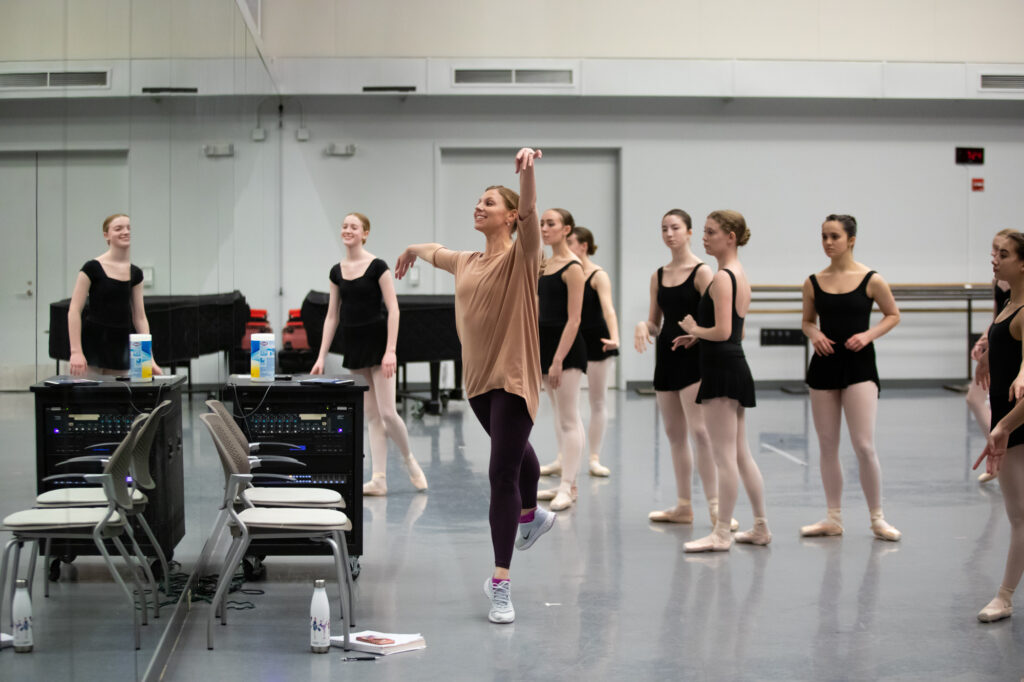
column 389, row 364
column 684, row 341
column 525, row 158
column 404, row 262
column 641, row 337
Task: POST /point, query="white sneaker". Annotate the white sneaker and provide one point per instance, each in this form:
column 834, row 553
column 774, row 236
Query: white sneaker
column 500, row 595
column 529, row 532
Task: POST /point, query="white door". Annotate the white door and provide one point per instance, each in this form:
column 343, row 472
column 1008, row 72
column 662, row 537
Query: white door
column 584, row 181
column 52, row 206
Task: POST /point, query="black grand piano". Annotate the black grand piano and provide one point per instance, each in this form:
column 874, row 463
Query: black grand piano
column 183, row 327
column 426, row 334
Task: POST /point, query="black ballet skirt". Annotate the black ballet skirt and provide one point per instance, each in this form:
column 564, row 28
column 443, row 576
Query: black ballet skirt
column 1004, row 357
column 724, row 372
column 553, row 309
column 840, row 316
column 107, row 322
column 363, row 318
column 674, row 370
column 593, row 327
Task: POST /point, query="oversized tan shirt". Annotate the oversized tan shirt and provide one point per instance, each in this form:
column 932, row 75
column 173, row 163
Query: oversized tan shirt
column 496, row 318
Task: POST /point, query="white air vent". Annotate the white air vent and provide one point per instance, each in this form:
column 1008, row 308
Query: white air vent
column 1002, row 81
column 513, row 77
column 46, row 80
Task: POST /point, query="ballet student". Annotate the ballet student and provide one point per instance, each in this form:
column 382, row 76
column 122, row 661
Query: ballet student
column 563, row 356
column 496, row 318
column 599, row 327
column 726, row 386
column 1002, row 363
column 113, row 288
column 977, row 395
column 842, row 375
column 363, row 300
column 675, row 291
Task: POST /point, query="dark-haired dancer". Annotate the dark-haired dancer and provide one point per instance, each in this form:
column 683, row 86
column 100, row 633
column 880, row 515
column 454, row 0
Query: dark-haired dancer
column 496, row 317
column 563, row 357
column 977, row 395
column 113, row 288
column 676, row 289
column 1005, row 447
column 842, row 375
column 599, row 327
column 726, row 386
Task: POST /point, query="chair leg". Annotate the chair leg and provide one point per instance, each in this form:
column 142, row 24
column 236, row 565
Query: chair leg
column 159, row 552
column 3, row 582
column 223, row 583
column 135, row 579
column 32, row 566
column 117, row 578
column 146, row 570
column 346, row 608
column 46, row 571
column 349, row 581
column 224, row 568
column 15, row 565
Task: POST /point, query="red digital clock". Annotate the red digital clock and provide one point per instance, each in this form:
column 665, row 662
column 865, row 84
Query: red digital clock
column 970, row 156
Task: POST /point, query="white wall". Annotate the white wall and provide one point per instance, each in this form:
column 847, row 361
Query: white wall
column 211, row 224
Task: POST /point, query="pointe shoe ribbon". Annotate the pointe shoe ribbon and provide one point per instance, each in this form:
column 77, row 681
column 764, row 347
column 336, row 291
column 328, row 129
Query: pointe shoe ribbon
column 758, row 535
column 882, row 529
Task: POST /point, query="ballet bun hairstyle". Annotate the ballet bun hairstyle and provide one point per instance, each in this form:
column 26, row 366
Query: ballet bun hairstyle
column 1005, row 231
column 732, row 221
column 567, row 219
column 1015, row 241
column 511, row 199
column 682, row 215
column 848, row 222
column 585, row 236
column 365, row 221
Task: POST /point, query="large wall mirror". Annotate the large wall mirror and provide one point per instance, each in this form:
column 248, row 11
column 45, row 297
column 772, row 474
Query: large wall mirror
column 165, row 112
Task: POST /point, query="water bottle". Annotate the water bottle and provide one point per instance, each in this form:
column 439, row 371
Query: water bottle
column 22, row 607
column 319, row 620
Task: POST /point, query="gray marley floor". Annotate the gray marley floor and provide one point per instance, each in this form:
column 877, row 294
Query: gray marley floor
column 605, row 595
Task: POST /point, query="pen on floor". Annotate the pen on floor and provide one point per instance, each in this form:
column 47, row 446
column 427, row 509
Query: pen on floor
column 359, row 658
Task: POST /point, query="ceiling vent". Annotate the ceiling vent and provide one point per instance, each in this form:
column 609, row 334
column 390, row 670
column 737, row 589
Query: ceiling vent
column 1002, row 81
column 513, row 77
column 45, row 80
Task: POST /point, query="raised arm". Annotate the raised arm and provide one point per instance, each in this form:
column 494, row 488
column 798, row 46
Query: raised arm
column 649, row 328
column 387, row 289
column 330, row 327
column 78, row 296
column 408, row 257
column 603, row 286
column 879, row 290
column 139, row 319
column 529, row 224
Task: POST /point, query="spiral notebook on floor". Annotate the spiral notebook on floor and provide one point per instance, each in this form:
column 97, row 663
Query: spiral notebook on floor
column 382, row 643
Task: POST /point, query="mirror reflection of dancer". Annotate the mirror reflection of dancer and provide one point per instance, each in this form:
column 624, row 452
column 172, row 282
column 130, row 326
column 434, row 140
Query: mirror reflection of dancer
column 361, row 291
column 842, row 375
column 599, row 327
column 113, row 287
column 726, row 386
column 1003, row 365
column 563, row 357
column 977, row 394
column 675, row 291
column 496, row 317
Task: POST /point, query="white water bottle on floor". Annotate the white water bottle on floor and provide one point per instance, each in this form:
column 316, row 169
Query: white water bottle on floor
column 319, row 620
column 22, row 608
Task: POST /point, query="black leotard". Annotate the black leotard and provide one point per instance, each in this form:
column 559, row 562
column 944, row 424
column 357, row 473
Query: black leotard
column 1004, row 357
column 593, row 326
column 724, row 371
column 840, row 316
column 674, row 370
column 107, row 320
column 553, row 314
column 363, row 316
column 999, row 297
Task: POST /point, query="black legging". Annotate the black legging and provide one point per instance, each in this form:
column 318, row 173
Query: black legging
column 514, row 469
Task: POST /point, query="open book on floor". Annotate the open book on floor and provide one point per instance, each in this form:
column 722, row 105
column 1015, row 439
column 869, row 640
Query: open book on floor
column 383, row 643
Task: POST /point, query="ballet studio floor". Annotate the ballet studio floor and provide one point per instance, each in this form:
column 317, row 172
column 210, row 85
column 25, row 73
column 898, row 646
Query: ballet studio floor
column 605, row 595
